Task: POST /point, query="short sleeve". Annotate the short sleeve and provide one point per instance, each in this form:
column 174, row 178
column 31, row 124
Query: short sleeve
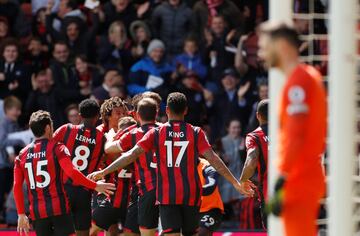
column 125, row 141
column 62, row 151
column 250, row 142
column 203, row 142
column 60, row 133
column 147, row 142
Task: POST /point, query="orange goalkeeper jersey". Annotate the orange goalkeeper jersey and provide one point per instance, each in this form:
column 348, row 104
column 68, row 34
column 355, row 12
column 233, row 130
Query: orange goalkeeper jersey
column 303, row 127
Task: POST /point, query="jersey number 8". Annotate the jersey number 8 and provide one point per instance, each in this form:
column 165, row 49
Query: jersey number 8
column 81, row 154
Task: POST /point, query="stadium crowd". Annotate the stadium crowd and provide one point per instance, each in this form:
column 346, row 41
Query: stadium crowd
column 56, row 53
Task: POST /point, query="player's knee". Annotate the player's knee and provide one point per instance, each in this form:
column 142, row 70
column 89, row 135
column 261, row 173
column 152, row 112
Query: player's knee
column 204, row 232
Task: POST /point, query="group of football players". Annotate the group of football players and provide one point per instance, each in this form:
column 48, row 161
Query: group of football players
column 159, row 176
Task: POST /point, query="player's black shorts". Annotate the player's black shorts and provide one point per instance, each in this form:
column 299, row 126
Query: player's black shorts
column 131, row 221
column 104, row 217
column 179, row 218
column 211, row 220
column 148, row 213
column 80, row 203
column 61, row 225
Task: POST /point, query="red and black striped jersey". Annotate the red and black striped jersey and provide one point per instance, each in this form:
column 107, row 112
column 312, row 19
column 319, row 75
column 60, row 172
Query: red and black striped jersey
column 145, row 165
column 38, row 164
column 86, row 145
column 259, row 139
column 177, row 145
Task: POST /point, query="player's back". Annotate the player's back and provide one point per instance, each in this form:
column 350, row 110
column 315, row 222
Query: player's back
column 86, row 145
column 303, row 100
column 43, row 175
column 179, row 145
column 144, row 166
column 259, row 139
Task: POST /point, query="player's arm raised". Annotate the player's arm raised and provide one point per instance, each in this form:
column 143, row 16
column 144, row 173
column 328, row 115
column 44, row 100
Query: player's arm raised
column 250, row 165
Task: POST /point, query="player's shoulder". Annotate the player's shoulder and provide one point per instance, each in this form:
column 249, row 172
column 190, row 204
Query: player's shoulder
column 305, row 76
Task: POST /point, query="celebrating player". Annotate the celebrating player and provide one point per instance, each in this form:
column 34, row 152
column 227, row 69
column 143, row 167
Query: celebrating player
column 302, row 131
column 177, row 146
column 144, row 167
column 86, row 145
column 110, row 210
column 42, row 164
column 257, row 156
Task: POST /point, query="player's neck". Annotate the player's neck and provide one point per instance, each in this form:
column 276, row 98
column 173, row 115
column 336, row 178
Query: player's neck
column 176, row 118
column 147, row 122
column 289, row 64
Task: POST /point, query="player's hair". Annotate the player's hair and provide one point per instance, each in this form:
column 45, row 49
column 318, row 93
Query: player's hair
column 10, row 102
column 177, row 103
column 155, row 96
column 89, row 108
column 126, row 122
column 262, row 109
column 135, row 100
column 108, row 105
column 147, row 109
column 281, row 30
column 38, row 122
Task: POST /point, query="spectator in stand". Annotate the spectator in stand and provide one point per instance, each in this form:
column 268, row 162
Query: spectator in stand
column 63, row 74
column 36, row 58
column 190, row 85
column 228, row 104
column 152, row 73
column 119, row 10
column 171, row 23
column 112, row 78
column 190, row 60
column 9, row 124
column 205, row 10
column 88, row 75
column 45, row 96
column 17, row 25
column 38, row 4
column 215, row 54
column 72, row 114
column 115, row 49
column 79, row 37
column 119, row 91
column 141, row 36
column 4, row 27
column 39, row 25
column 263, row 93
column 14, row 77
column 234, row 152
column 54, row 21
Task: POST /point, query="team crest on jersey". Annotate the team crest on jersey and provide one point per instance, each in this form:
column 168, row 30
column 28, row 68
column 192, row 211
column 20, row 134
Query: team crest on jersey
column 297, row 103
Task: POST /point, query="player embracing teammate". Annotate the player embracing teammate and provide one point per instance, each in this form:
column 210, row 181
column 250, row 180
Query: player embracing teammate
column 177, row 146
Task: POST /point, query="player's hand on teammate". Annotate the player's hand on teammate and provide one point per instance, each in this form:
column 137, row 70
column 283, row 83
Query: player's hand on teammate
column 97, row 175
column 246, row 188
column 23, row 225
column 105, row 188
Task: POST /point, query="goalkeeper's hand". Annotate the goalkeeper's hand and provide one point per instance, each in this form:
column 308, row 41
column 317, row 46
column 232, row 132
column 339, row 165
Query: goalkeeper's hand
column 275, row 204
